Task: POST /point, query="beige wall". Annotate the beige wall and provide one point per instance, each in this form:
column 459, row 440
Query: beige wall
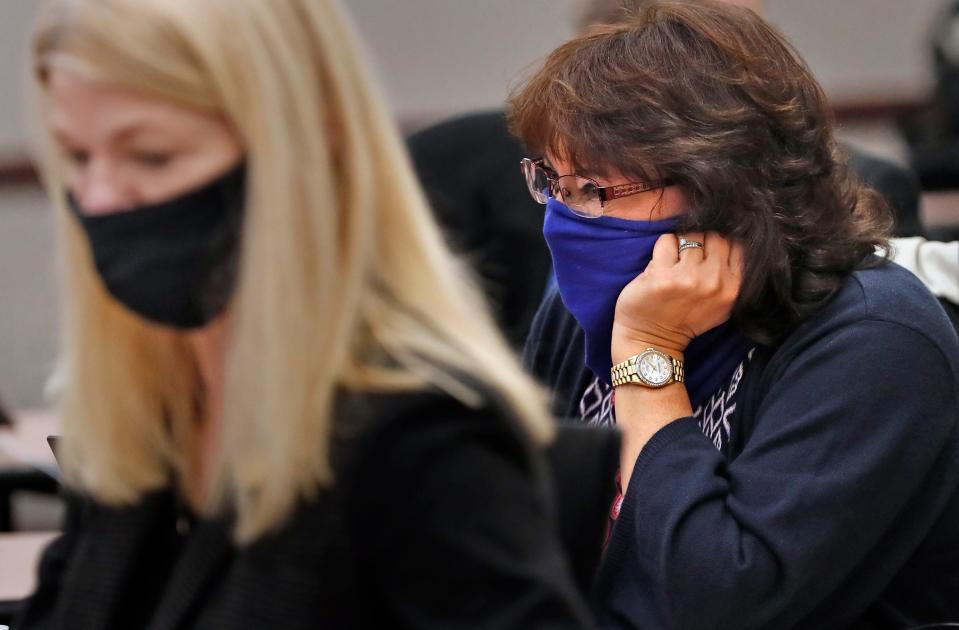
column 863, row 49
column 15, row 19
column 443, row 56
column 28, row 328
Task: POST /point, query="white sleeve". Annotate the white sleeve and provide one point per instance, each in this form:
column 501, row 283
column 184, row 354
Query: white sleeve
column 935, row 263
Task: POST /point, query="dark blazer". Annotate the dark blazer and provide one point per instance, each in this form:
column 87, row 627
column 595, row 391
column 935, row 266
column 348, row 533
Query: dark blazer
column 469, row 167
column 440, row 518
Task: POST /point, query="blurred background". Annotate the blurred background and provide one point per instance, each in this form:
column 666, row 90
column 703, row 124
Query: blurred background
column 438, row 58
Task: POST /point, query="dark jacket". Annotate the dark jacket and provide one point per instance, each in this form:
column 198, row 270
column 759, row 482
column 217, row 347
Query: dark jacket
column 469, row 167
column 897, row 185
column 833, row 500
column 439, row 518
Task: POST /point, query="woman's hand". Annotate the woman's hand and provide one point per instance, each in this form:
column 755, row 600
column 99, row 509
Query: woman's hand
column 678, row 296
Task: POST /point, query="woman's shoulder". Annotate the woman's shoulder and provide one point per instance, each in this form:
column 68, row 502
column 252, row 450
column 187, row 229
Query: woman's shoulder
column 396, row 426
column 553, row 334
column 892, row 293
column 885, row 296
column 460, row 403
column 398, row 450
column 880, row 314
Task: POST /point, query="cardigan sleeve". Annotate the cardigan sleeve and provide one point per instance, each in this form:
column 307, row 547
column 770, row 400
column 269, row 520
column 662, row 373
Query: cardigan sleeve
column 459, row 527
column 838, row 482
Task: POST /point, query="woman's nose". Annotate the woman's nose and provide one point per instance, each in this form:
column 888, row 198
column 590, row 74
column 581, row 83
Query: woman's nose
column 100, row 189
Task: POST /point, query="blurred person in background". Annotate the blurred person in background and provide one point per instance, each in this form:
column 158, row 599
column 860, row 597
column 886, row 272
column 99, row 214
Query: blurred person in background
column 284, row 403
column 789, row 401
column 468, row 167
column 932, row 131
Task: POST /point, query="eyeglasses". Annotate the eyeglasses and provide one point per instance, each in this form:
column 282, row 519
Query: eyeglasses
column 584, row 196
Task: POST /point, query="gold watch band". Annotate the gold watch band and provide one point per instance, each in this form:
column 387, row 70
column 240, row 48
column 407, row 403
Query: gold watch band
column 627, row 372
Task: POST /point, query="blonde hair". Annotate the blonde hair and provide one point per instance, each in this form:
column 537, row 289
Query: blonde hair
column 345, row 281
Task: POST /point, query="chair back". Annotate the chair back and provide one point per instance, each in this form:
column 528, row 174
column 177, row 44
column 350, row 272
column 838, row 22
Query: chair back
column 584, row 460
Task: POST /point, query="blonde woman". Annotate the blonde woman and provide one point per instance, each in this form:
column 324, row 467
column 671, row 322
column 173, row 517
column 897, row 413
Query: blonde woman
column 283, row 402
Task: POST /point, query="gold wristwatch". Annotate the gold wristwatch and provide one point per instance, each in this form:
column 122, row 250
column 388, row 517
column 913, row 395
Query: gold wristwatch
column 650, row 368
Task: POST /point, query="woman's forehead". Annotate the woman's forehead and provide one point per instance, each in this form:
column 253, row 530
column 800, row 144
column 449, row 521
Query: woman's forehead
column 565, row 165
column 82, row 106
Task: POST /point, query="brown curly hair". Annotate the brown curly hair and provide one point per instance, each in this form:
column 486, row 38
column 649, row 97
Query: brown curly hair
column 714, row 98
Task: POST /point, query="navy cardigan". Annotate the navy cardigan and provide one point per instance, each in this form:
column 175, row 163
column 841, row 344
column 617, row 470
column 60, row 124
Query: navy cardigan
column 835, row 502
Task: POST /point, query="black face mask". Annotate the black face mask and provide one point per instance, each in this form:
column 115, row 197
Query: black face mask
column 173, row 263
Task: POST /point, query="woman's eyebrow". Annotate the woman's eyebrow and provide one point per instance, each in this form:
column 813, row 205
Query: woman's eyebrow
column 119, row 134
column 132, row 130
column 63, row 138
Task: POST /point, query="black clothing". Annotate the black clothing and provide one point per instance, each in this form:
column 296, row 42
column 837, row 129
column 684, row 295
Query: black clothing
column 833, row 500
column 439, row 518
column 555, row 355
column 469, row 167
column 932, row 131
column 897, row 185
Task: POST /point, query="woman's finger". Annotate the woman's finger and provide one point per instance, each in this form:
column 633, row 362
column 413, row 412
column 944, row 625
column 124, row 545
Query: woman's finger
column 688, row 250
column 666, row 251
column 717, row 248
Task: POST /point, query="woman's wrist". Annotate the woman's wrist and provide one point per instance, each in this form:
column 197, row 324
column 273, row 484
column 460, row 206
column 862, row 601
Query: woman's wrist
column 641, row 412
column 627, row 342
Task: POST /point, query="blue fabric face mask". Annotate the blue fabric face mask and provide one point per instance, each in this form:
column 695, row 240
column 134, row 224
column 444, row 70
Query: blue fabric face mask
column 594, row 259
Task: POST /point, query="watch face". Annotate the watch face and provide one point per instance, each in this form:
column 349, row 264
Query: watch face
column 654, row 368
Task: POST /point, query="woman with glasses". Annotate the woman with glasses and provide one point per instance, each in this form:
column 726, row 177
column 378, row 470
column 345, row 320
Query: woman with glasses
column 284, row 404
column 788, row 400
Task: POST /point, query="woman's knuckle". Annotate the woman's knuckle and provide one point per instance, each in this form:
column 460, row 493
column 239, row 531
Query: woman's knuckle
column 685, row 283
column 712, row 284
